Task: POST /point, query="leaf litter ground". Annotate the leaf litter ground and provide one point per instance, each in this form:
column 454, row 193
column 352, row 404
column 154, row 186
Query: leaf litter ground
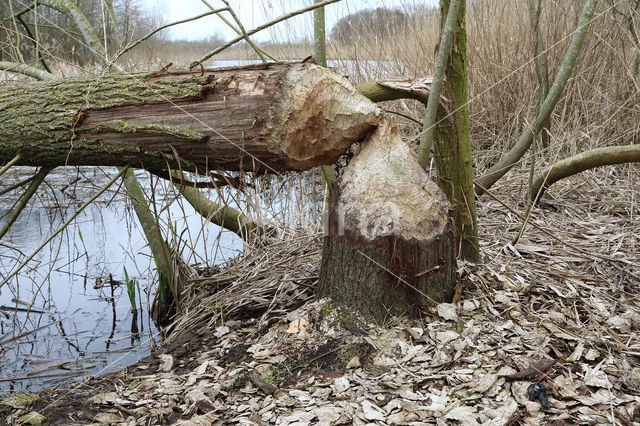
column 547, row 331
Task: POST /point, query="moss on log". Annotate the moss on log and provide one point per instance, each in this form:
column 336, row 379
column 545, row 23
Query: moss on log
column 267, row 117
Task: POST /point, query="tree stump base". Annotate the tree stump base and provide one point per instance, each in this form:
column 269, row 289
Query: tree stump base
column 390, row 242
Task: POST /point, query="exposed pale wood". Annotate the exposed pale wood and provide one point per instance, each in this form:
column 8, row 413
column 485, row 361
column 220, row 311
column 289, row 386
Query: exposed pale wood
column 267, row 117
column 390, row 243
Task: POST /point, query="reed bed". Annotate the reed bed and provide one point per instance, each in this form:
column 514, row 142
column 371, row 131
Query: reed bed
column 587, row 225
column 266, row 281
column 600, row 103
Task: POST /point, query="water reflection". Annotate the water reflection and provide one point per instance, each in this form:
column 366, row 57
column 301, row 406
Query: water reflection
column 58, row 319
column 67, row 315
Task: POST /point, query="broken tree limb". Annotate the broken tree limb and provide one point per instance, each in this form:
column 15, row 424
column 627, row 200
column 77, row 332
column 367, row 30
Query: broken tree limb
column 26, row 70
column 267, row 117
column 390, row 245
column 584, row 161
column 393, row 89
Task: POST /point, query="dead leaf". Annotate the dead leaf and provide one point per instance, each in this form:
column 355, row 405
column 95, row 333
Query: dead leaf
column 536, row 371
column 20, row 400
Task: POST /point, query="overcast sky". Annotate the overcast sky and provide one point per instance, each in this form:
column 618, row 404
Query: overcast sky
column 256, row 12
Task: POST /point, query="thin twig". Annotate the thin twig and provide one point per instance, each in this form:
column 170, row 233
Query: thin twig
column 24, row 199
column 64, row 225
column 265, row 26
column 7, row 166
column 15, row 27
column 244, row 33
column 237, row 31
column 510, row 158
column 140, row 40
column 403, row 115
column 16, row 185
column 34, row 40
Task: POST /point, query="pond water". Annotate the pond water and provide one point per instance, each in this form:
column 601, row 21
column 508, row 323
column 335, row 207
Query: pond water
column 61, row 318
column 67, row 315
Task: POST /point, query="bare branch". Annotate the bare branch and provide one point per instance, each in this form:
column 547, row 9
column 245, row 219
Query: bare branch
column 24, row 199
column 13, row 161
column 34, row 72
column 237, row 31
column 244, row 33
column 220, row 214
column 584, row 161
column 64, row 225
column 429, row 124
column 265, row 26
column 83, row 24
column 140, row 40
column 16, row 185
column 510, row 158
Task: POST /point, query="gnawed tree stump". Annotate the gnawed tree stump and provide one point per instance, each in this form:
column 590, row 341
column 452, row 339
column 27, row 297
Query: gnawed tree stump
column 390, row 243
column 267, row 117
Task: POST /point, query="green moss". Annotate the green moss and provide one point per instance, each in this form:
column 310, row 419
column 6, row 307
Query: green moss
column 325, row 311
column 42, row 113
column 125, row 127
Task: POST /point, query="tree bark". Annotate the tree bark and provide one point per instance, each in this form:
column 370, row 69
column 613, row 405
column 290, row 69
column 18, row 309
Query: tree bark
column 578, row 163
column 447, row 31
column 265, row 118
column 452, row 145
column 390, row 245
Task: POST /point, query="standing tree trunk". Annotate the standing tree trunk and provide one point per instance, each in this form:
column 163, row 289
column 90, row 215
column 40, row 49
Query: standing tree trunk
column 390, row 245
column 453, row 143
column 542, row 70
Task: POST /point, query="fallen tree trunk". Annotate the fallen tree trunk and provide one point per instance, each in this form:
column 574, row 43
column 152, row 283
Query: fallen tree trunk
column 390, row 246
column 266, row 118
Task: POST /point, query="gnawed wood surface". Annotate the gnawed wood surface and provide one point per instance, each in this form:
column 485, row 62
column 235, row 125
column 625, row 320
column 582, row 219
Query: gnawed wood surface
column 267, row 117
column 390, row 243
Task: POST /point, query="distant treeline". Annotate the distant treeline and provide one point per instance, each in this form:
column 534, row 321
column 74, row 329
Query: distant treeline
column 196, row 47
column 119, row 22
column 375, row 24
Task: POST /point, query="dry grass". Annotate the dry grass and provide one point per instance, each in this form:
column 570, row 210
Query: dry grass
column 594, row 216
column 600, row 105
column 263, row 281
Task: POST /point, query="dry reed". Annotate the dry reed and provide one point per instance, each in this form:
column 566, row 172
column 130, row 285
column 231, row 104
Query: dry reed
column 264, row 281
column 599, row 108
